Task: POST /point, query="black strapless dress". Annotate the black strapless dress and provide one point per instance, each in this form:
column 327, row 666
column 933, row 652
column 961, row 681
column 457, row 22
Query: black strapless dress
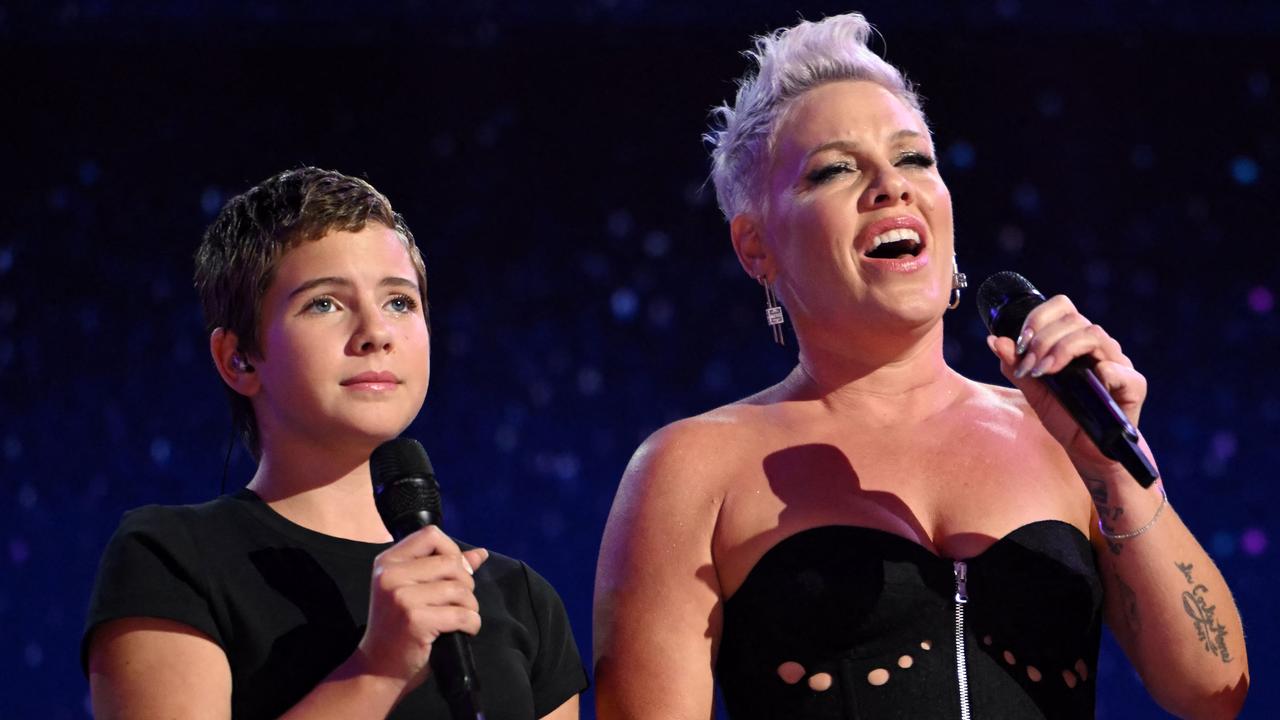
column 851, row 622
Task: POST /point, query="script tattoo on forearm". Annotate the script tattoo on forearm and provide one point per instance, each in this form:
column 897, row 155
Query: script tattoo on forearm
column 1107, row 514
column 1186, row 571
column 1204, row 616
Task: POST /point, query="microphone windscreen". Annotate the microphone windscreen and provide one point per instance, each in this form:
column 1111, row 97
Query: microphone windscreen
column 1004, row 299
column 404, row 484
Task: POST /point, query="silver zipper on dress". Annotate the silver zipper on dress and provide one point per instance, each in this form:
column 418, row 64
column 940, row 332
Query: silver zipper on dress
column 962, row 671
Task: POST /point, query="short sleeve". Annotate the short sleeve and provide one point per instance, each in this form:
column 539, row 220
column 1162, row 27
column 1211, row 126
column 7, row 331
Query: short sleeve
column 557, row 673
column 150, row 568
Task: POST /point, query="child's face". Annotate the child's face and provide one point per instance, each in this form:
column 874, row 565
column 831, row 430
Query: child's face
column 345, row 350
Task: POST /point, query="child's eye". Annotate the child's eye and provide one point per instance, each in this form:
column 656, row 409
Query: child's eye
column 402, row 304
column 322, row 304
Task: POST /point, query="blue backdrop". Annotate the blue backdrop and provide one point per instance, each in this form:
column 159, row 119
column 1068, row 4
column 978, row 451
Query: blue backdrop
column 583, row 289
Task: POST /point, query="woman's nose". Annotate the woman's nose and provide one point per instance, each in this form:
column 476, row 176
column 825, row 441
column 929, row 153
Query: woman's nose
column 890, row 187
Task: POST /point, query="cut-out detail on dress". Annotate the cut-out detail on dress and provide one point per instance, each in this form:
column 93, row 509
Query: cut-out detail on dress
column 820, row 682
column 986, row 640
column 1009, row 658
column 791, row 672
column 906, row 661
column 926, row 645
column 1033, row 673
column 878, row 677
column 1082, row 670
column 1070, row 678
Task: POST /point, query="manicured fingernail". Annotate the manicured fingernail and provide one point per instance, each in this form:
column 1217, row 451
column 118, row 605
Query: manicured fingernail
column 1024, row 340
column 991, row 342
column 467, row 564
column 1042, row 367
column 1025, row 366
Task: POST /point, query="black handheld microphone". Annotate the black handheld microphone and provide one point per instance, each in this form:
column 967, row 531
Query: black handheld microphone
column 408, row 499
column 1004, row 299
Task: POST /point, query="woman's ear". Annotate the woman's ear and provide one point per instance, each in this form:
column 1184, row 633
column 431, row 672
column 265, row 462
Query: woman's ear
column 747, row 233
column 232, row 364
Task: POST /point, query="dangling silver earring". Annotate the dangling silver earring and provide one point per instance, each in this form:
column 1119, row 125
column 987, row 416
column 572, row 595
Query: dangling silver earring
column 958, row 280
column 772, row 311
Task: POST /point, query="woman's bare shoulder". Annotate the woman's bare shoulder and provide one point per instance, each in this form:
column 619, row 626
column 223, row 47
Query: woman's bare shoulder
column 698, row 455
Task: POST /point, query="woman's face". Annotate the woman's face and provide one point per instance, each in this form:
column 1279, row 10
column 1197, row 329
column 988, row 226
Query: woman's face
column 345, row 349
column 857, row 218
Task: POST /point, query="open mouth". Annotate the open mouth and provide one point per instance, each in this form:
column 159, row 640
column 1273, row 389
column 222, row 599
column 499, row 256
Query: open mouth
column 895, row 244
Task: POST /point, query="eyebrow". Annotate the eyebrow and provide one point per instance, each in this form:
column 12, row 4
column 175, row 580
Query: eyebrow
column 389, row 281
column 903, row 134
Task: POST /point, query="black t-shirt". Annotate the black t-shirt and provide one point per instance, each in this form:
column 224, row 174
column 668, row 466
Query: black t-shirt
column 288, row 605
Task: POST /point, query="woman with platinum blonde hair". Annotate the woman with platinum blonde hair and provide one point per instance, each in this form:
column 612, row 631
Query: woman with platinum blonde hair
column 877, row 536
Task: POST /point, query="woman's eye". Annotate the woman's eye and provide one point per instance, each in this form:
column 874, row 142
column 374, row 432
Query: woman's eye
column 826, row 172
column 402, row 304
column 916, row 159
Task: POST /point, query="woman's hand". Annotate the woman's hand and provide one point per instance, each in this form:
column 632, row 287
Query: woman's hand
column 422, row 587
column 1054, row 334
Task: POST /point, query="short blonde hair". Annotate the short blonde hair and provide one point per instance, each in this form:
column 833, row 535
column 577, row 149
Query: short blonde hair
column 789, row 62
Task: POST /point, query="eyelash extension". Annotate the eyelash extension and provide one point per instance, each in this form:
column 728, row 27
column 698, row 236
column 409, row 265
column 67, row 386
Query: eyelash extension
column 917, row 159
column 827, row 172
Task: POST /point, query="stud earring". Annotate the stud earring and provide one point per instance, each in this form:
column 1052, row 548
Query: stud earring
column 772, row 311
column 239, row 364
column 958, row 280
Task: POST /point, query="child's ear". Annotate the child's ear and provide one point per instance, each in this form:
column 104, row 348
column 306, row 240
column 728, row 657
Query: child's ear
column 232, row 364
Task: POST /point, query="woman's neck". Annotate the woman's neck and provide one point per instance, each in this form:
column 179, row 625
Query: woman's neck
column 886, row 381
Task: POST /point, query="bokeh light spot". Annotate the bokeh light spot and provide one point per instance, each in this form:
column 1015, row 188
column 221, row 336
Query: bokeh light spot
column 1223, row 445
column 27, row 496
column 656, row 243
column 19, row 551
column 1223, row 544
column 1253, row 541
column 1026, row 198
column 961, row 155
column 12, row 447
column 1244, row 170
column 211, row 201
column 1261, row 300
column 89, row 172
column 33, row 654
column 620, row 223
column 590, row 381
column 161, row 450
column 624, row 303
column 1259, row 84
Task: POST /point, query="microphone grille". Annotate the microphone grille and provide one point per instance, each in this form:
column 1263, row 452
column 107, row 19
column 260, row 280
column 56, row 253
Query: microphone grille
column 399, row 458
column 411, row 496
column 403, row 480
column 996, row 292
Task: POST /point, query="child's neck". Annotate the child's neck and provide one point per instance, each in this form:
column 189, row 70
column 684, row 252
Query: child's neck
column 321, row 491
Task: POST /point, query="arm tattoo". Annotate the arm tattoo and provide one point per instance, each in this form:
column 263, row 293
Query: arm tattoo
column 1129, row 603
column 1186, row 571
column 1204, row 616
column 1107, row 515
